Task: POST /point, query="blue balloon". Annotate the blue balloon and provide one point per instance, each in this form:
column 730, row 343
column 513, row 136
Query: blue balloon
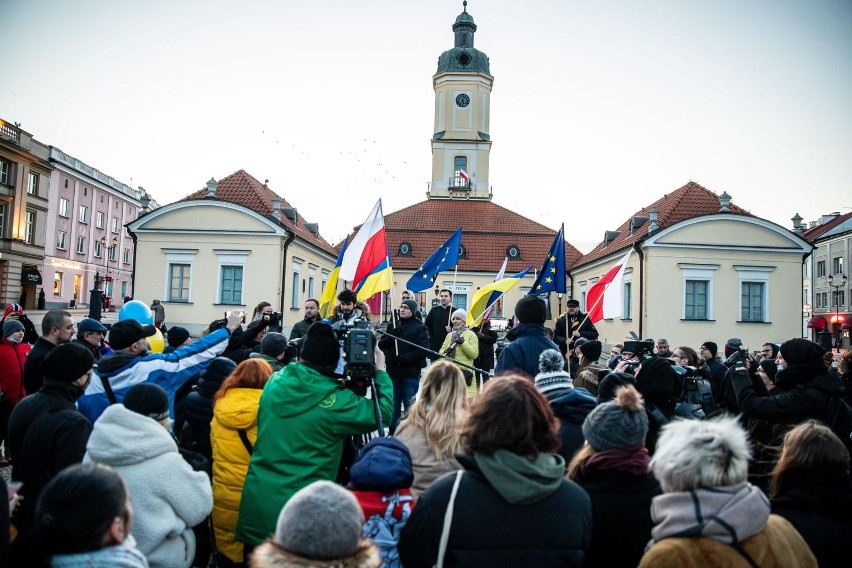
column 136, row 310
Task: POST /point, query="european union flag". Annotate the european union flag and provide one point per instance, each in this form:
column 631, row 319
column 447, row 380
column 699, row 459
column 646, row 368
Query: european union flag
column 552, row 275
column 447, row 256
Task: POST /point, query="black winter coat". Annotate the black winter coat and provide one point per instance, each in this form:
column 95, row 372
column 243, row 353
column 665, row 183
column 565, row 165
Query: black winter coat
column 197, row 413
column 33, row 379
column 410, row 359
column 552, row 532
column 819, row 506
column 487, row 338
column 621, row 516
column 571, row 406
column 46, row 435
column 577, row 322
column 436, row 322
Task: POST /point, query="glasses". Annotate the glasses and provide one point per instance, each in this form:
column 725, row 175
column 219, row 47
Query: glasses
column 679, row 355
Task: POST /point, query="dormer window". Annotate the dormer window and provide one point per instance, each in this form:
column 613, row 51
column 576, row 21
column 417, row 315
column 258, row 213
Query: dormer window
column 513, row 252
column 404, row 249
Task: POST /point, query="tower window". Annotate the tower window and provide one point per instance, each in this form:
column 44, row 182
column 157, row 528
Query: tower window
column 404, row 249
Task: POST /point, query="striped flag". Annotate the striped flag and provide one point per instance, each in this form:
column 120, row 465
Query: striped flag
column 326, row 301
column 488, row 294
column 367, row 263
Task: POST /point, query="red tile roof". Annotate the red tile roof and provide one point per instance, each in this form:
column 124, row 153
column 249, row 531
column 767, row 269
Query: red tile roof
column 688, row 202
column 487, row 231
column 243, row 189
column 813, row 234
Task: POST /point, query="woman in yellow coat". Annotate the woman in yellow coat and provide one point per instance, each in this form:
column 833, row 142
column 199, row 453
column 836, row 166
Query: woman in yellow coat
column 233, row 432
column 463, row 345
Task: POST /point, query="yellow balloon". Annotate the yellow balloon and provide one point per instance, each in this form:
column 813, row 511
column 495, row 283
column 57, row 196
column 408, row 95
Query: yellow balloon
column 156, row 342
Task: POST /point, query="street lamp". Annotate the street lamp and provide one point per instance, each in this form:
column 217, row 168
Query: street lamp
column 107, row 252
column 836, row 294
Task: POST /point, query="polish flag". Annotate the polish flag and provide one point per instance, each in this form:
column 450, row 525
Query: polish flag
column 367, row 250
column 463, row 175
column 606, row 296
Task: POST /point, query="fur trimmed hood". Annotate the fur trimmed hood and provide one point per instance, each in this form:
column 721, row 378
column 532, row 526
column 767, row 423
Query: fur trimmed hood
column 271, row 555
column 359, row 305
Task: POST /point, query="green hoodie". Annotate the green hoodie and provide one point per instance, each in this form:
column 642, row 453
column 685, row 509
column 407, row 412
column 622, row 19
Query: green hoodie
column 302, row 420
column 521, row 480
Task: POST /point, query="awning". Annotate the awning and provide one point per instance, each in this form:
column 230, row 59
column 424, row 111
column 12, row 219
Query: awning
column 817, row 322
column 30, row 276
column 837, row 318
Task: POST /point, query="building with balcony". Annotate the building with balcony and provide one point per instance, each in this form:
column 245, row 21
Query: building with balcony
column 831, row 237
column 25, row 172
column 86, row 236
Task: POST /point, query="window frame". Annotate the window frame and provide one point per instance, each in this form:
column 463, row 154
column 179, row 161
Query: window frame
column 837, row 265
column 81, row 245
column 820, row 268
column 116, row 225
column 61, row 240
column 754, row 275
column 32, row 184
column 235, row 284
column 100, row 219
column 5, row 172
column 83, row 214
column 179, row 298
column 698, row 273
column 296, row 284
column 63, row 207
column 178, row 257
column 30, row 219
column 227, row 258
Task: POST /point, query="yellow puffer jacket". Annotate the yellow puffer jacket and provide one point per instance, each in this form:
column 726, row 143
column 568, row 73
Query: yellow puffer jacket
column 235, row 411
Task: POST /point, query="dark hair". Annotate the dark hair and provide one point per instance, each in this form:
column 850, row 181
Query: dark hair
column 450, row 292
column 77, row 507
column 347, row 296
column 314, row 300
column 53, row 318
column 534, row 428
column 259, row 308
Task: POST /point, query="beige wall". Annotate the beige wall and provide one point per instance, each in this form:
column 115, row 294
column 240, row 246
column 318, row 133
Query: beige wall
column 192, row 233
column 728, row 250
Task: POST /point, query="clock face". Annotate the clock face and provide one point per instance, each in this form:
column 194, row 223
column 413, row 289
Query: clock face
column 462, row 100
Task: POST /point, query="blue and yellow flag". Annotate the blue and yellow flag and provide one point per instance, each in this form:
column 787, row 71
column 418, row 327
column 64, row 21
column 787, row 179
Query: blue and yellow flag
column 552, row 275
column 489, row 294
column 329, row 293
column 447, row 256
column 378, row 280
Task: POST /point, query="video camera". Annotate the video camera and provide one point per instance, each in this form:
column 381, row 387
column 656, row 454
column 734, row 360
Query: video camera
column 359, row 344
column 741, row 355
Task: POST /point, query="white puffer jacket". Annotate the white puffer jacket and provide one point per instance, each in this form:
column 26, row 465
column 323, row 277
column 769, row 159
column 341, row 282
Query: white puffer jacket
column 167, row 496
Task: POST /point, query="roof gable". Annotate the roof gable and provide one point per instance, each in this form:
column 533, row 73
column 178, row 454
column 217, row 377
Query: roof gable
column 812, row 235
column 690, row 201
column 243, row 189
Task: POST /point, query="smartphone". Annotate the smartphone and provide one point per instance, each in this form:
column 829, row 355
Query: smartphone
column 12, row 489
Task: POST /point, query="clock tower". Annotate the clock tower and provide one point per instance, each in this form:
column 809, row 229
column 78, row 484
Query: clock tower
column 461, row 143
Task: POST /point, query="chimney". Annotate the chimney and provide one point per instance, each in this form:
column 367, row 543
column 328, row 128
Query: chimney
column 276, row 209
column 813, row 224
column 724, row 201
column 653, row 226
column 212, row 186
column 827, row 218
column 144, row 202
column 797, row 224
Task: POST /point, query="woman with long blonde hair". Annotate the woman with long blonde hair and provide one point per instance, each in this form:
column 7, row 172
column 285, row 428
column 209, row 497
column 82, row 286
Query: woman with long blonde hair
column 812, row 489
column 233, row 433
column 432, row 429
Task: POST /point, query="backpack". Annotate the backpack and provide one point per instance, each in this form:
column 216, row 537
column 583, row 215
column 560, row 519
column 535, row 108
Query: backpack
column 697, row 400
column 384, row 530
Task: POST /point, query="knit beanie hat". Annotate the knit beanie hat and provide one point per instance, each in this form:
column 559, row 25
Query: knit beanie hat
column 800, row 351
column 67, row 362
column 273, row 344
column 732, row 345
column 531, row 309
column 148, row 400
column 383, row 465
column 611, row 383
column 552, row 376
column 460, row 314
column 11, row 327
column 621, row 422
column 321, row 521
column 320, row 345
column 591, row 350
column 12, row 308
column 177, row 336
column 711, row 347
column 412, row 305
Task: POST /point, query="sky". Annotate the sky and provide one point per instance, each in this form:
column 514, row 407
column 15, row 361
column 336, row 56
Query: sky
column 598, row 108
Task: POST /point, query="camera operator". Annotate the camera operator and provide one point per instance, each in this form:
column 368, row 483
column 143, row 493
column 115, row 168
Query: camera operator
column 304, row 416
column 404, row 361
column 348, row 313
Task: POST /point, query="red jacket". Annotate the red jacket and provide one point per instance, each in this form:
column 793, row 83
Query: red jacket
column 12, row 359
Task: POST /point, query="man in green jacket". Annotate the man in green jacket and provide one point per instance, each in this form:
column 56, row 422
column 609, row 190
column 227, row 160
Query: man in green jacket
column 303, row 418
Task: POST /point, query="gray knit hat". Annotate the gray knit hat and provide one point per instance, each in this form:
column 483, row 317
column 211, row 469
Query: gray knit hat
column 321, row 521
column 552, row 375
column 11, row 327
column 621, row 422
column 460, row 314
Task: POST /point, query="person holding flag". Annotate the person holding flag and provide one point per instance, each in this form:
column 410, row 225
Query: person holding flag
column 571, row 325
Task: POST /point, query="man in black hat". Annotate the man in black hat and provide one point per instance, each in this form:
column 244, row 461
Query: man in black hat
column 176, row 337
column 131, row 363
column 47, row 433
column 90, row 334
column 307, row 402
column 578, row 325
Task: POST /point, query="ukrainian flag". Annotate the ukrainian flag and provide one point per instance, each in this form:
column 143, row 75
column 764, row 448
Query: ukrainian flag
column 489, row 294
column 329, row 293
column 378, row 280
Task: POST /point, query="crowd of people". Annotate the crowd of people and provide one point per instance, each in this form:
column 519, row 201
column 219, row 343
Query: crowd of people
column 244, row 447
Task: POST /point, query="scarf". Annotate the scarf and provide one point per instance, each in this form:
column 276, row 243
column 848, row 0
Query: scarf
column 725, row 514
column 633, row 460
column 521, row 480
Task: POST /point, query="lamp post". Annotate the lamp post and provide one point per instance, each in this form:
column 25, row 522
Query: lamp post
column 836, row 288
column 107, row 252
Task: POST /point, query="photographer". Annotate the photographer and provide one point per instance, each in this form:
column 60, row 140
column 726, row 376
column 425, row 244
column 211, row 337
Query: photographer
column 264, row 311
column 304, row 416
column 404, row 361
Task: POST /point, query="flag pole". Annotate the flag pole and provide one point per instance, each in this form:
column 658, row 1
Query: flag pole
column 392, row 288
column 455, row 274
